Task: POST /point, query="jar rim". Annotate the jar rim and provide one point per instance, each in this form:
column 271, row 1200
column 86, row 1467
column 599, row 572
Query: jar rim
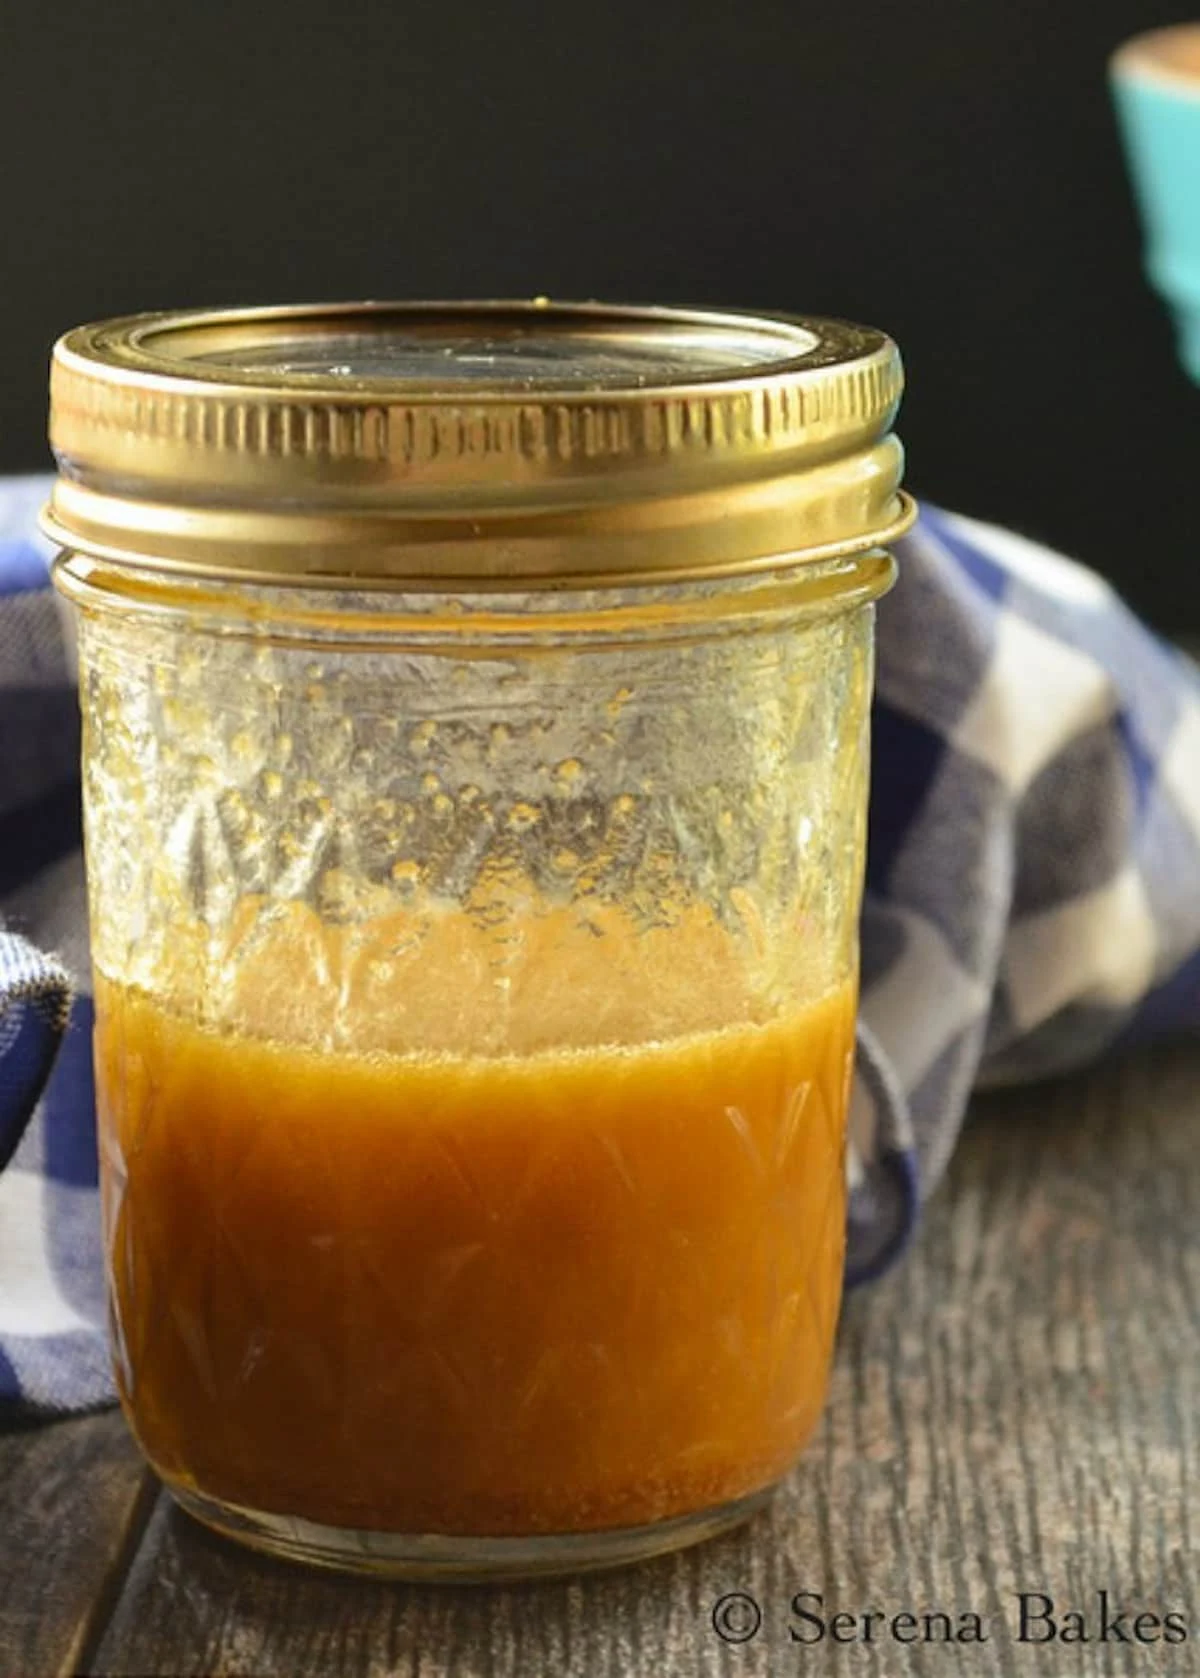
column 464, row 624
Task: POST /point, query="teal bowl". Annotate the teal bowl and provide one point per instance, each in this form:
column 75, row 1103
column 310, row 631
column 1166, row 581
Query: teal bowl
column 1156, row 87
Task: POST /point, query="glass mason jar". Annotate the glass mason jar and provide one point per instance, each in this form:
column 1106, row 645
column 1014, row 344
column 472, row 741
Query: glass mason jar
column 475, row 704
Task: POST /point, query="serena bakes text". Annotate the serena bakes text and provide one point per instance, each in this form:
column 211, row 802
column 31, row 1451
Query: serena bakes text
column 1034, row 1616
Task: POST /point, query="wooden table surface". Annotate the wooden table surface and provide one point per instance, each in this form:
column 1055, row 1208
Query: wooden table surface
column 1014, row 1410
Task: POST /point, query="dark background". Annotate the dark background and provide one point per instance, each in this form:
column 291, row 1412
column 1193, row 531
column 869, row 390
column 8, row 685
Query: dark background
column 948, row 169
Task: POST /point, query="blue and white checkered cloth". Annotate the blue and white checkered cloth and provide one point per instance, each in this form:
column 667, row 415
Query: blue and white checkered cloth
column 1033, row 896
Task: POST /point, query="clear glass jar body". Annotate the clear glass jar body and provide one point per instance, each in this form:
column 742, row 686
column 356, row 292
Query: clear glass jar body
column 475, row 986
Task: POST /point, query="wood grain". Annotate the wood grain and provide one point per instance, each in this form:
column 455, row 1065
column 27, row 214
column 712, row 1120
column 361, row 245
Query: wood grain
column 73, row 1499
column 1014, row 1410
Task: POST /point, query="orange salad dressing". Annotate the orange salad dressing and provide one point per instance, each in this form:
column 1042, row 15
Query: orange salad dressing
column 497, row 1294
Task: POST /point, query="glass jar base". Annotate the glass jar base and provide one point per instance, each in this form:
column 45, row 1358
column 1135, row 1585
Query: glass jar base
column 449, row 1559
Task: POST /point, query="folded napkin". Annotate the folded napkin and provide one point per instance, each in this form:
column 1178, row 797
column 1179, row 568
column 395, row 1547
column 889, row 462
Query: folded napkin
column 1033, row 896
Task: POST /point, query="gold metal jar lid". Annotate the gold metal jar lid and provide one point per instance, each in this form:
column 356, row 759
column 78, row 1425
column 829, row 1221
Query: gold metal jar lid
column 480, row 445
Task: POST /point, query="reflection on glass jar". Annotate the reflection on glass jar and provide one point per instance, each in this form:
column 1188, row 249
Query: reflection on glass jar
column 475, row 950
